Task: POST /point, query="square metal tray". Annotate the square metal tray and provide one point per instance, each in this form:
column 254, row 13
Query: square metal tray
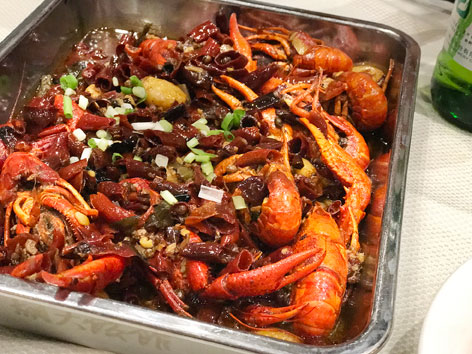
column 42, row 41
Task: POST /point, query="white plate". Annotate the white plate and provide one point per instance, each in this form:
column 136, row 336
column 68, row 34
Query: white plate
column 447, row 327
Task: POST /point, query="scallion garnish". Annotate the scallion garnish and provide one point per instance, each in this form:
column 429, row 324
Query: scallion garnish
column 135, row 81
column 210, row 177
column 190, row 157
column 116, row 156
column 202, row 153
column 239, row 202
column 192, row 143
column 103, row 134
column 69, row 92
column 79, row 134
column 227, row 122
column 200, row 126
column 198, row 152
column 110, row 112
column 139, row 91
column 202, row 158
column 126, row 90
column 207, row 168
column 102, row 144
column 166, row 125
column 86, row 153
column 67, row 107
column 228, row 135
column 169, row 197
column 199, row 121
column 83, row 102
column 232, row 120
column 238, row 114
column 68, row 81
column 215, row 132
column 161, row 160
column 92, row 143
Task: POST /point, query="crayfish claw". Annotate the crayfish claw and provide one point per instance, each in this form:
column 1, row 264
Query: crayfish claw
column 89, row 277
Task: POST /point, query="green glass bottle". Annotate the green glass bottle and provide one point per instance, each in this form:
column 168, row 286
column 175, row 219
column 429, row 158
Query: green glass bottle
column 451, row 85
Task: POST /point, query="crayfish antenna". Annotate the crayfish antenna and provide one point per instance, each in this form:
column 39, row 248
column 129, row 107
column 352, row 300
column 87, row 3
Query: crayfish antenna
column 164, row 287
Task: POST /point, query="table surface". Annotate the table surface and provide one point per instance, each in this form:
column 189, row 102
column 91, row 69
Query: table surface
column 437, row 218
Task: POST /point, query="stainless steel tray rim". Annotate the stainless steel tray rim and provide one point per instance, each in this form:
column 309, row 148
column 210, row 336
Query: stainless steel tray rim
column 380, row 322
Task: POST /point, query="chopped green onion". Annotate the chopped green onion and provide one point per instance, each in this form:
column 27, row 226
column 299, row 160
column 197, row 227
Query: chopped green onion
column 232, row 120
column 192, row 143
column 239, row 202
column 67, row 107
column 126, row 90
column 200, row 126
column 73, row 159
column 135, row 81
column 228, row 135
column 102, row 144
column 202, row 153
column 215, row 132
column 83, row 102
column 86, row 153
column 129, row 110
column 202, row 158
column 166, row 125
column 139, row 91
column 190, row 157
column 101, row 133
column 210, row 177
column 141, row 100
column 199, row 152
column 119, row 110
column 146, row 126
column 68, row 81
column 168, row 197
column 161, row 160
column 79, row 134
column 156, row 126
column 69, row 92
column 137, row 158
column 200, row 121
column 110, row 112
column 207, row 168
column 203, row 129
column 92, row 143
column 238, row 114
column 116, row 156
column 227, row 122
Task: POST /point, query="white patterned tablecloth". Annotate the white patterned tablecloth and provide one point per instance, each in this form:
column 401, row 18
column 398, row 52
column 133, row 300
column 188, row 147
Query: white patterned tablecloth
column 436, row 234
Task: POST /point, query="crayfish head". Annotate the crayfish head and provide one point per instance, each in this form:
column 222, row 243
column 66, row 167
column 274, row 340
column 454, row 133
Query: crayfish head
column 281, row 213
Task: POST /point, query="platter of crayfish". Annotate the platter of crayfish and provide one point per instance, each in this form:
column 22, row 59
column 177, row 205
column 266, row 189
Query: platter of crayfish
column 235, row 173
